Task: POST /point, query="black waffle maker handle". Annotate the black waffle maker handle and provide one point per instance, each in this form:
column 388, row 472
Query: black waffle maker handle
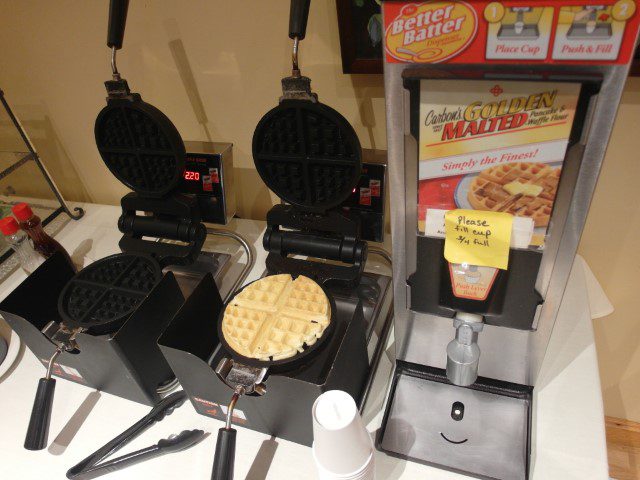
column 38, row 429
column 225, row 454
column 298, row 16
column 117, row 20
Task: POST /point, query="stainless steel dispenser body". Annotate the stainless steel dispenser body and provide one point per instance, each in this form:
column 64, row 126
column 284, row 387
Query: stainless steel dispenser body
column 507, row 354
column 463, row 387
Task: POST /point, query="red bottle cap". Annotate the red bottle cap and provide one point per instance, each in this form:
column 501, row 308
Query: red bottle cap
column 22, row 211
column 9, row 226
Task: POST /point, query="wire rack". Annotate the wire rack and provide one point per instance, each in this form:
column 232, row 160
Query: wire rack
column 20, row 164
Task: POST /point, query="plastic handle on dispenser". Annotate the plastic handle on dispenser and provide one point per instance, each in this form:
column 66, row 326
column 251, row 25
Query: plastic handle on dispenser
column 225, row 455
column 117, row 19
column 298, row 16
column 38, row 430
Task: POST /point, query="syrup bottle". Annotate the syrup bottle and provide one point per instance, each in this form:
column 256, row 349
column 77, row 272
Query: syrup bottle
column 43, row 243
column 28, row 258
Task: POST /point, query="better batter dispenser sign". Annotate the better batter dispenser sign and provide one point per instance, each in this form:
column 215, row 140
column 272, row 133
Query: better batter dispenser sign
column 480, row 31
column 431, row 32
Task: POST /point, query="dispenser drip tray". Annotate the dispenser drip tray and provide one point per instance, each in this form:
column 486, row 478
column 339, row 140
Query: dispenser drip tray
column 482, row 430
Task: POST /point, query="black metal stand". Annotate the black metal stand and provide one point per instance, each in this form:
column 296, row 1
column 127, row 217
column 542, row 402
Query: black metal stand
column 190, row 345
column 33, row 155
column 126, row 363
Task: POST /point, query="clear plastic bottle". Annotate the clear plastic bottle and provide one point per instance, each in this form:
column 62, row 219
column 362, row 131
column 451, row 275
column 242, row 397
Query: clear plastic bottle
column 29, row 259
column 43, row 243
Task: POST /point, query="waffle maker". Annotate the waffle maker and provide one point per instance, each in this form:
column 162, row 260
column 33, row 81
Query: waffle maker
column 144, row 150
column 247, row 376
column 309, row 155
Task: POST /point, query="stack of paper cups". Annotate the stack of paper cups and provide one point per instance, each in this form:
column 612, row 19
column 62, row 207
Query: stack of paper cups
column 342, row 447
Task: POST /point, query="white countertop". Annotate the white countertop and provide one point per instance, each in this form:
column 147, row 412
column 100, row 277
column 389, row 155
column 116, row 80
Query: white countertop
column 569, row 439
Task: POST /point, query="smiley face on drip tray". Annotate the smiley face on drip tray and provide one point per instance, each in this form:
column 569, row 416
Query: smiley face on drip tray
column 460, row 428
column 457, row 414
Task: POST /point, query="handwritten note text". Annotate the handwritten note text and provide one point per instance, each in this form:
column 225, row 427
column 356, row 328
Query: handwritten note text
column 476, row 237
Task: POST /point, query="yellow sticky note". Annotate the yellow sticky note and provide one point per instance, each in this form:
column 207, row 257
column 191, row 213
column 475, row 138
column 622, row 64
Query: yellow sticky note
column 477, row 237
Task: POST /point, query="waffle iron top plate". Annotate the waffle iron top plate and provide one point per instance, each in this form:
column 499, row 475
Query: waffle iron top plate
column 140, row 146
column 308, row 154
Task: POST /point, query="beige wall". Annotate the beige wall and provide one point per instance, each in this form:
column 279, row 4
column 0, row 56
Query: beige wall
column 214, row 67
column 610, row 245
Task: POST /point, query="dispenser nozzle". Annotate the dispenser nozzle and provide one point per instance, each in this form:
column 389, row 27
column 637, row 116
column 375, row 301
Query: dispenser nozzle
column 463, row 353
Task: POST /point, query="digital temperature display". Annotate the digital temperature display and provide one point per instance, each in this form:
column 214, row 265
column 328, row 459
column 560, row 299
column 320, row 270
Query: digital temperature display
column 191, row 175
column 201, row 175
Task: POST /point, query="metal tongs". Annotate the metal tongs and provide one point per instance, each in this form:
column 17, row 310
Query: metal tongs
column 90, row 466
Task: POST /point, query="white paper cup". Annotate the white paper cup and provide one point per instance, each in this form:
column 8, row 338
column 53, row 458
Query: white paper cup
column 365, row 472
column 341, row 444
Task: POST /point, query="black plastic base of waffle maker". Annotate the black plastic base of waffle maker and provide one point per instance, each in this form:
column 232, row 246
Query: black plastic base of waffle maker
column 284, row 410
column 126, row 363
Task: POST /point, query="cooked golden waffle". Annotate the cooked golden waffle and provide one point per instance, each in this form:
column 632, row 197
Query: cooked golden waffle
column 276, row 317
column 487, row 190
